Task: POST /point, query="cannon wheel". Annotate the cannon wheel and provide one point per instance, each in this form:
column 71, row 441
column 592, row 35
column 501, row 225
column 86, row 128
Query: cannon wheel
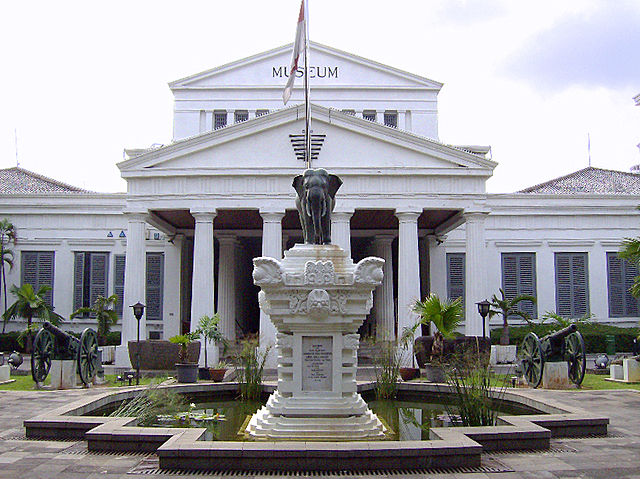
column 532, row 359
column 41, row 356
column 575, row 352
column 88, row 356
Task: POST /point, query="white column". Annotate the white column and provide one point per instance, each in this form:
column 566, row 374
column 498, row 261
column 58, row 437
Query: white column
column 599, row 303
column 134, row 286
column 172, row 287
column 202, row 286
column 408, row 268
column 272, row 248
column 227, row 286
column 402, row 115
column 475, row 271
column 383, row 309
column 341, row 229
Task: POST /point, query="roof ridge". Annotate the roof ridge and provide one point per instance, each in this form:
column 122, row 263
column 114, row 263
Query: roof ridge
column 47, row 179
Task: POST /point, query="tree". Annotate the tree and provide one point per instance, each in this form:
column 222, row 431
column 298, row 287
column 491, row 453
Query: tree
column 103, row 311
column 631, row 252
column 508, row 307
column 30, row 304
column 445, row 316
column 7, row 236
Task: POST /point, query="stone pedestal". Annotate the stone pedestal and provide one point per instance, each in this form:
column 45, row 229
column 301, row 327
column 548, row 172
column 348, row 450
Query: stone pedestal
column 5, row 373
column 64, row 374
column 503, row 354
column 556, row 375
column 616, row 372
column 317, row 298
column 630, row 370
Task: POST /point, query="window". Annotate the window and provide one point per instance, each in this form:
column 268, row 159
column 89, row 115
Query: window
column 118, row 283
column 391, row 119
column 369, row 115
column 241, row 115
column 219, row 119
column 572, row 289
column 154, row 286
column 261, row 113
column 90, row 278
column 620, row 276
column 349, row 112
column 518, row 278
column 37, row 270
column 455, row 276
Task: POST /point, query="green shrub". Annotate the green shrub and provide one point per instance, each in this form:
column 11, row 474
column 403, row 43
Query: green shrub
column 594, row 335
column 9, row 342
column 113, row 338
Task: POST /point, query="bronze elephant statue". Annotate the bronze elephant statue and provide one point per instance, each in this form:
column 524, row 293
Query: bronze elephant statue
column 316, row 191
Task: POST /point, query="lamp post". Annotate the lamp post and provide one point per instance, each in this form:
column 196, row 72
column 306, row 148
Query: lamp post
column 138, row 311
column 483, row 309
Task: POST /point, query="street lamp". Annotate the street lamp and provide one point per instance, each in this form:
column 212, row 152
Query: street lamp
column 483, row 309
column 138, row 311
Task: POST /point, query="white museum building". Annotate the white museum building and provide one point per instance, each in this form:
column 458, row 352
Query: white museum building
column 197, row 211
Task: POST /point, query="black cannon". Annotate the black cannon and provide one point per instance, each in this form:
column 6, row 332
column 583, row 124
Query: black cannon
column 564, row 345
column 52, row 343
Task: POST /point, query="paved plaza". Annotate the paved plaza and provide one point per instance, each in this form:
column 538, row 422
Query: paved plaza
column 617, row 456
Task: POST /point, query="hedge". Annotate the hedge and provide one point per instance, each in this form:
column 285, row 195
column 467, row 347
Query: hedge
column 9, row 341
column 594, row 335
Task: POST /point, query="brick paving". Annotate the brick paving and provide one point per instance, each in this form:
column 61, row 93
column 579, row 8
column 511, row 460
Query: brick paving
column 616, row 456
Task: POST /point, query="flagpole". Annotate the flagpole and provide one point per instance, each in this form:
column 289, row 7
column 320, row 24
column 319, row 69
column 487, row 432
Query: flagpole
column 307, row 106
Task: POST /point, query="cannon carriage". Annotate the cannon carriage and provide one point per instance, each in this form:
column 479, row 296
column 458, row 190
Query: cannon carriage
column 564, row 345
column 52, row 343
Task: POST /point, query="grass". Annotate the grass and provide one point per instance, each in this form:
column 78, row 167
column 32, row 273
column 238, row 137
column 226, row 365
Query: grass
column 25, row 383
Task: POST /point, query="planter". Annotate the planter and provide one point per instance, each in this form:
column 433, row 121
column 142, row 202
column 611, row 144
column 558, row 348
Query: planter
column 452, row 348
column 203, row 373
column 434, row 374
column 187, row 373
column 407, row 374
column 217, row 375
column 160, row 354
column 503, row 354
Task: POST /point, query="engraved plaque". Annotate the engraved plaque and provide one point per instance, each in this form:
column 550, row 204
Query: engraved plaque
column 317, row 363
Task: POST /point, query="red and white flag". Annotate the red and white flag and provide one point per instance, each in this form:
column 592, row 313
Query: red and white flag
column 298, row 50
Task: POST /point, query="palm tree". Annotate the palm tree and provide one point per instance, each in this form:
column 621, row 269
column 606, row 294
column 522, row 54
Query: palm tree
column 445, row 316
column 30, row 304
column 7, row 235
column 508, row 307
column 104, row 312
column 631, row 252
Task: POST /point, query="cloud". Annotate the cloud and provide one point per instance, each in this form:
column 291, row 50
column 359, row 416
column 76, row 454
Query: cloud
column 599, row 49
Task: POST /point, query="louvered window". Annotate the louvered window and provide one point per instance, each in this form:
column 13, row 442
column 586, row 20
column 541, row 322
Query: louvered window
column 219, row 119
column 241, row 115
column 118, row 283
column 369, row 115
column 261, row 113
column 155, row 282
column 620, row 277
column 572, row 287
column 37, row 269
column 455, row 276
column 391, row 119
column 518, row 278
column 349, row 112
column 90, row 275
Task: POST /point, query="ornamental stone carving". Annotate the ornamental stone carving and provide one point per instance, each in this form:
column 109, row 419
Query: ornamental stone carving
column 266, row 271
column 369, row 271
column 319, row 272
column 350, row 341
column 318, row 304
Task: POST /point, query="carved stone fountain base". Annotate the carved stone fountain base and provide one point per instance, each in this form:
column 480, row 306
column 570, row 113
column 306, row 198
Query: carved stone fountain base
column 317, row 299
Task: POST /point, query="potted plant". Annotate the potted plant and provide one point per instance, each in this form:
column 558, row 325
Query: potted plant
column 446, row 317
column 217, row 372
column 406, row 344
column 187, row 372
column 505, row 353
column 208, row 329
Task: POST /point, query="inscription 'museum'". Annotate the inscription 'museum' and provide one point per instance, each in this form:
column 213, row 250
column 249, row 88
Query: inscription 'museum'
column 314, row 72
column 317, row 363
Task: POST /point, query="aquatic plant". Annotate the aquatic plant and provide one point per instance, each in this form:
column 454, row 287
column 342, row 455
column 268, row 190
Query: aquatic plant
column 150, row 403
column 387, row 362
column 249, row 367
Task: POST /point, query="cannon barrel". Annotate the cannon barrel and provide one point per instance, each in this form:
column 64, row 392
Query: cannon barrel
column 560, row 335
column 63, row 339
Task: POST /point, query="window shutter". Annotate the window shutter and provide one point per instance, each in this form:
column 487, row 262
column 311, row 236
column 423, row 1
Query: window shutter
column 45, row 273
column 78, row 280
column 154, row 286
column 620, row 277
column 118, row 286
column 572, row 291
column 518, row 278
column 98, row 287
column 455, row 276
column 29, row 268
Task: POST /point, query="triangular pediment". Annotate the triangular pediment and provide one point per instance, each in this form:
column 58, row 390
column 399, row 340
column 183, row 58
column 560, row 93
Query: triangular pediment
column 264, row 143
column 329, row 67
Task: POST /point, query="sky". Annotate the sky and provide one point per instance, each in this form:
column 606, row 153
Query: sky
column 82, row 80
